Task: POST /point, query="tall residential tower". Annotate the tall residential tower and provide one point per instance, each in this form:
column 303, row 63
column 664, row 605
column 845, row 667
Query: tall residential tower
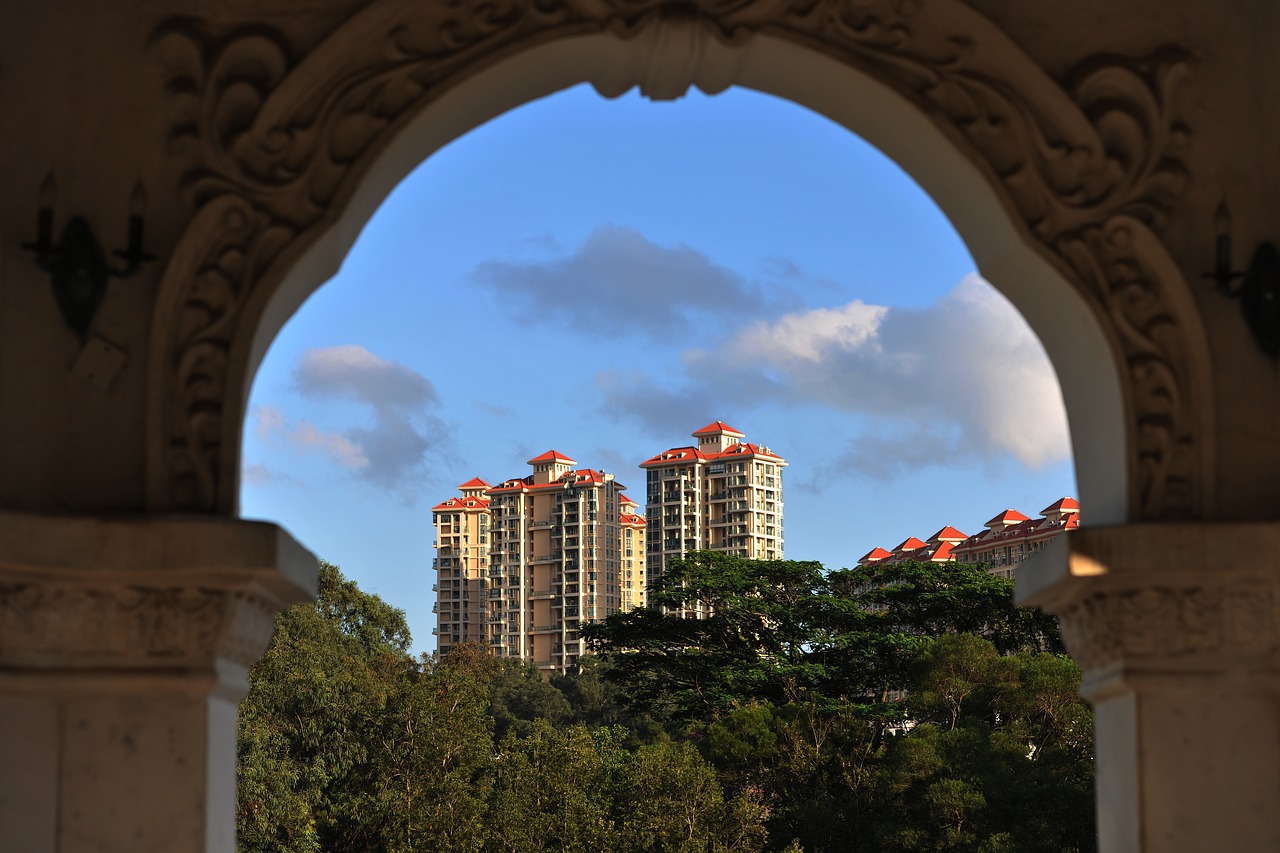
column 722, row 494
column 558, row 548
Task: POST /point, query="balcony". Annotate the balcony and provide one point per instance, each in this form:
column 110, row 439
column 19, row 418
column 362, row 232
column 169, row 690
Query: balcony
column 542, row 594
column 546, row 629
column 541, row 525
column 553, row 557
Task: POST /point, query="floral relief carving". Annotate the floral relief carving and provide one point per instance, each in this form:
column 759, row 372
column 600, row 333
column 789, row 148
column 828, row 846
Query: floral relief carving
column 1168, row 623
column 130, row 626
column 277, row 138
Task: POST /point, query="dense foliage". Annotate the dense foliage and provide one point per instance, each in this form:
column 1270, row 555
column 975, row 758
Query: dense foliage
column 908, row 709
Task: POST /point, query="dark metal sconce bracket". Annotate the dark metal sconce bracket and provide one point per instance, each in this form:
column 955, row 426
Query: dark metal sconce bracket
column 78, row 268
column 1258, row 291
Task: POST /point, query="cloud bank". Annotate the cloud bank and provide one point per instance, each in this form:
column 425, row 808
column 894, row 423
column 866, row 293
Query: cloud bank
column 391, row 449
column 619, row 280
column 964, row 377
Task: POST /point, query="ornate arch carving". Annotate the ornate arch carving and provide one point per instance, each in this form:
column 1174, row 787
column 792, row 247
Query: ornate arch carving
column 278, row 140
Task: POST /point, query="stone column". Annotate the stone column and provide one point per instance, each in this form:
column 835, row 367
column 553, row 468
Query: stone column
column 124, row 645
column 1175, row 625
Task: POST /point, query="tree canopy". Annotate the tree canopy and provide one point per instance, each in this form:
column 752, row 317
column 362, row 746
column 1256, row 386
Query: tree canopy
column 909, row 709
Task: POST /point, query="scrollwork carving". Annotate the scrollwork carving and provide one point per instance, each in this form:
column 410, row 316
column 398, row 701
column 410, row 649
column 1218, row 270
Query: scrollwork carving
column 1090, row 164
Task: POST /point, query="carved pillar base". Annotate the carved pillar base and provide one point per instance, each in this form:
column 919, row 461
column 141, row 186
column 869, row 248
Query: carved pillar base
column 124, row 645
column 1176, row 626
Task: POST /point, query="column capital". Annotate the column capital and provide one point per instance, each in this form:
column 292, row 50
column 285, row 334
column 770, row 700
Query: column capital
column 128, row 600
column 1159, row 599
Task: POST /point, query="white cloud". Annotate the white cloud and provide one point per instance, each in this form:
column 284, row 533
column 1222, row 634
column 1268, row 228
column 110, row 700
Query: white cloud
column 351, row 372
column 261, row 475
column 963, row 377
column 392, row 448
column 810, row 335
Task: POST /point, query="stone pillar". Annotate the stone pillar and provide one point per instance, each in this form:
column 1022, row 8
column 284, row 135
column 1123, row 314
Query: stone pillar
column 1175, row 625
column 124, row 645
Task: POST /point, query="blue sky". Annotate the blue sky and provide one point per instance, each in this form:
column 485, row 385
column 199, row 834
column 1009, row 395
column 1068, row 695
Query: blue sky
column 603, row 277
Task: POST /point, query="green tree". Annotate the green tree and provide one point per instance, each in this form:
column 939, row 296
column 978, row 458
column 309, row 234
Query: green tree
column 313, row 698
column 882, row 617
column 518, row 696
column 753, row 645
column 349, row 744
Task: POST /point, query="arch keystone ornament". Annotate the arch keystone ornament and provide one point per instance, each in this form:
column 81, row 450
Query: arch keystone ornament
column 280, row 141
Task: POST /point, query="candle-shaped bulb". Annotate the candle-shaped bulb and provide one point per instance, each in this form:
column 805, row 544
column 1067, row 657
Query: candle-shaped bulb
column 138, row 200
column 1222, row 243
column 48, row 189
column 137, row 206
column 1221, row 219
column 44, row 215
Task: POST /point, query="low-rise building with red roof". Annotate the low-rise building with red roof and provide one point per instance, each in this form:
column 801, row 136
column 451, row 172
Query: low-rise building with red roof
column 1011, row 538
column 1006, row 541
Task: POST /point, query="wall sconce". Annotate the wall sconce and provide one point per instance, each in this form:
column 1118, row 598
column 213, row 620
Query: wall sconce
column 77, row 267
column 1259, row 288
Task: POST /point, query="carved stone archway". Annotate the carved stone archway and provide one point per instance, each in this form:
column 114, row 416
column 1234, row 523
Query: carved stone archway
column 1065, row 187
column 1060, row 184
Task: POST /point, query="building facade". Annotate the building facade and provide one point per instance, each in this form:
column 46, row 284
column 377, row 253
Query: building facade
column 523, row 564
column 462, row 566
column 721, row 494
column 1007, row 541
column 1011, row 538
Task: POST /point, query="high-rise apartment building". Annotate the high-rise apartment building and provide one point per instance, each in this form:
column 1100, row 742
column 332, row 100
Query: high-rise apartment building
column 462, row 565
column 722, row 494
column 552, row 550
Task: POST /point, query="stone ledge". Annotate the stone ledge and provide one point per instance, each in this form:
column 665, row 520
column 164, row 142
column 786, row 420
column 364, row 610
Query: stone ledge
column 1154, row 598
column 142, row 594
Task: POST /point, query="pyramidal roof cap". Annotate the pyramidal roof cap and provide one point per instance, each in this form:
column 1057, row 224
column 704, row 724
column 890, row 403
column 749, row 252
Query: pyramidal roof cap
column 717, row 427
column 1061, row 504
column 1009, row 515
column 475, row 483
column 552, row 456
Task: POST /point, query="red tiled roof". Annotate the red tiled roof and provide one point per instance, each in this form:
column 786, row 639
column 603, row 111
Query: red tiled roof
column 1063, row 505
column 911, row 544
column 625, row 500
column 948, row 533
column 474, row 483
column 675, row 454
column 744, row 447
column 876, row 553
column 462, row 503
column 717, row 427
column 1009, row 515
column 583, row 476
column 631, row 518
column 551, row 456
column 514, row 484
column 693, row 454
